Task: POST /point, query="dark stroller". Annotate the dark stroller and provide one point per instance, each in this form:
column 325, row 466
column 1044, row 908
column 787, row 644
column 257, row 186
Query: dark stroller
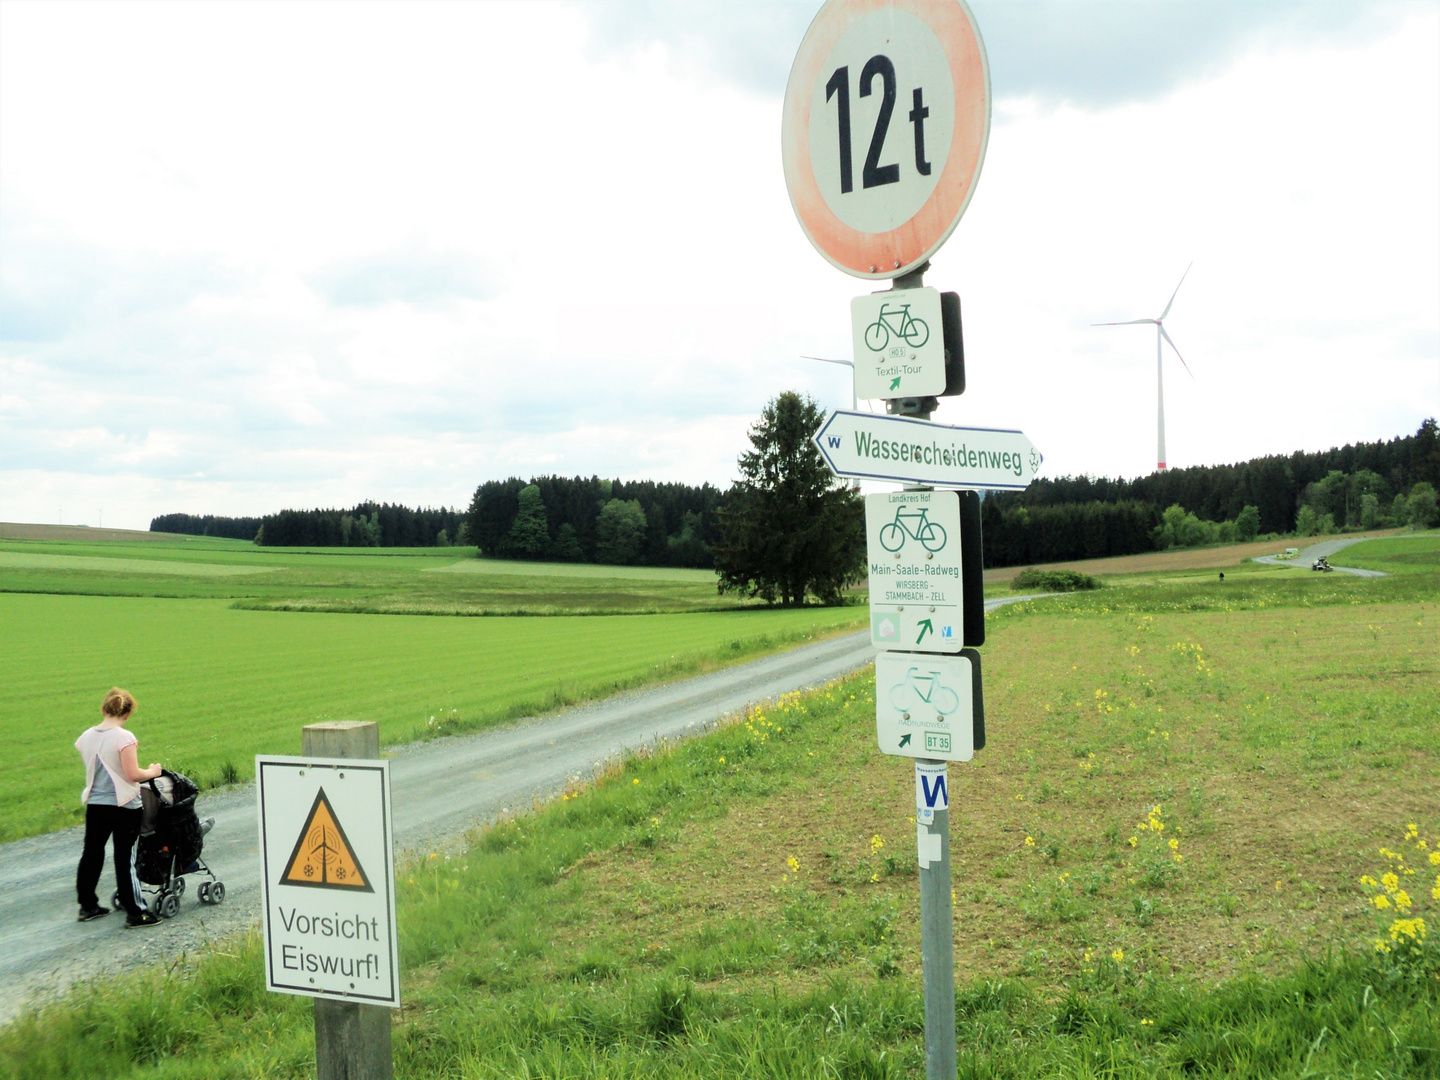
column 171, row 841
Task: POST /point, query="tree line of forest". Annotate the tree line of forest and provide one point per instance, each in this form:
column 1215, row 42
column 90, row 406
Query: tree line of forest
column 230, row 528
column 1357, row 486
column 369, row 524
column 579, row 519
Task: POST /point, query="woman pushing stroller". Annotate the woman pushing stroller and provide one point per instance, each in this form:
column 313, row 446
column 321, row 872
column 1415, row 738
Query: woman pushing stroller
column 112, row 809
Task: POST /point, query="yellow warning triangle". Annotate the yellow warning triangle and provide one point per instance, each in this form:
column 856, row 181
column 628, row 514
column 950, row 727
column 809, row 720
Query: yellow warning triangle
column 323, row 858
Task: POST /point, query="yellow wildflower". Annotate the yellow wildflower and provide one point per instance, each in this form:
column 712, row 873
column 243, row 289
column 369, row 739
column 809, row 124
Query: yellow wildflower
column 1118, row 955
column 1134, row 841
column 794, row 864
column 876, row 844
column 1029, row 841
column 1390, row 881
column 1174, row 845
column 1380, row 902
column 1414, row 929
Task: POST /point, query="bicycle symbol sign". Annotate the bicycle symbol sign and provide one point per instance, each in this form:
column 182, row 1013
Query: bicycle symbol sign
column 914, row 332
column 899, row 343
column 923, row 691
column 914, row 524
column 913, row 542
column 927, row 709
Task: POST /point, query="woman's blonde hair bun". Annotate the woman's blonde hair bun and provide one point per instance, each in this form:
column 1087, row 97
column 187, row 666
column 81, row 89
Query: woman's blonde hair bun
column 118, row 702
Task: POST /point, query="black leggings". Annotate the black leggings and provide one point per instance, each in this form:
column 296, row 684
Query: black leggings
column 101, row 823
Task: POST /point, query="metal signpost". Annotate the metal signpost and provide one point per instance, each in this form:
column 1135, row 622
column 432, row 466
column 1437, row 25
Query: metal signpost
column 328, row 893
column 886, row 119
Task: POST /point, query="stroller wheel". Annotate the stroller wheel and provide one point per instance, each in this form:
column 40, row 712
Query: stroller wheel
column 178, row 886
column 169, row 905
column 115, row 900
column 217, row 892
column 203, row 892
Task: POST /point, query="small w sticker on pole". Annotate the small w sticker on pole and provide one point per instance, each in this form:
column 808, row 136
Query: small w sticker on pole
column 930, row 791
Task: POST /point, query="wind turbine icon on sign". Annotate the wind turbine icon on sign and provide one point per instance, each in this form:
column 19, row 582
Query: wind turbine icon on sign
column 1160, row 335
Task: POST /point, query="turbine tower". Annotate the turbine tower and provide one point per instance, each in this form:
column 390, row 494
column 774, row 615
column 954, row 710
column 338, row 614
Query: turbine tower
column 1160, row 336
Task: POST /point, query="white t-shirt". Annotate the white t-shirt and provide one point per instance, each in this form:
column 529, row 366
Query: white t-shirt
column 100, row 750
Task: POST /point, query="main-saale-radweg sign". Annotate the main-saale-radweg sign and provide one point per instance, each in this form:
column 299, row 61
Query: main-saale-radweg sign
column 886, row 117
column 866, row 446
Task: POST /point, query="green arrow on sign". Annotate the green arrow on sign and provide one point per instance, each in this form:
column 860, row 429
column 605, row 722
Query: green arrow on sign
column 895, row 382
column 925, row 628
column 905, row 741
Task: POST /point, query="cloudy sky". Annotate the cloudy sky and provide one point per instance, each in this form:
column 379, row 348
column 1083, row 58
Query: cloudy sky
column 256, row 256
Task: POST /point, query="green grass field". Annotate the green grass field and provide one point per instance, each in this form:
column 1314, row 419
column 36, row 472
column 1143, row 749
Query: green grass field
column 231, row 647
column 1418, row 554
column 434, row 581
column 745, row 904
column 218, row 685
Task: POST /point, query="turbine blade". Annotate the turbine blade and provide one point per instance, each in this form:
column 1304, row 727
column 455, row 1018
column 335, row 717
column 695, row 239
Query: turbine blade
column 1177, row 353
column 1177, row 290
column 1132, row 322
column 827, row 360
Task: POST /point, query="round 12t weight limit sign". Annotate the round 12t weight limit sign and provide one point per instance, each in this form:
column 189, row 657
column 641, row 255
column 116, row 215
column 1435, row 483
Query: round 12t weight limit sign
column 887, row 114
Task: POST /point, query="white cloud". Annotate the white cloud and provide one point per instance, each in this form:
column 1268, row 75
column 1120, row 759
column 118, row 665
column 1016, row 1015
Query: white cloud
column 254, row 256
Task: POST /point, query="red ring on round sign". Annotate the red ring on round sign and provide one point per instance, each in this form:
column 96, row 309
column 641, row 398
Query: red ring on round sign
column 890, row 254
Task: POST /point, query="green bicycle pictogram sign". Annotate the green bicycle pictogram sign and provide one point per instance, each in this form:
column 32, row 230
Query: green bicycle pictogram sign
column 914, row 332
column 923, row 689
column 916, row 525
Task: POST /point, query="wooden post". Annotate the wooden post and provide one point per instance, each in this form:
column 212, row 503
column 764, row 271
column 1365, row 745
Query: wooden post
column 352, row 1040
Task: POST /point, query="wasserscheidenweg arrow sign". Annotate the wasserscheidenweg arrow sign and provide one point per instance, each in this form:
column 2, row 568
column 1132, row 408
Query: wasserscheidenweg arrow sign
column 869, row 447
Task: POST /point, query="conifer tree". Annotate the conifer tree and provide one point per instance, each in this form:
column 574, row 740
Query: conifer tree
column 789, row 529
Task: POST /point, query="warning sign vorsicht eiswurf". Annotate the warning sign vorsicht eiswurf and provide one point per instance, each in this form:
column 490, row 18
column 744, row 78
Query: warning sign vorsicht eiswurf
column 328, row 878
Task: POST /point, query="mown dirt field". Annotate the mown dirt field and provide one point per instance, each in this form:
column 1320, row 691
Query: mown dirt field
column 10, row 530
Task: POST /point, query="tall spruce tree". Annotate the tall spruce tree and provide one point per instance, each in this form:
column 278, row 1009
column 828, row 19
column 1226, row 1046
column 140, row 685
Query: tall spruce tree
column 788, row 528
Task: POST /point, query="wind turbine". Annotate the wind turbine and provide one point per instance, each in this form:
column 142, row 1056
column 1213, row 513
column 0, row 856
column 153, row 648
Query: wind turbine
column 1160, row 335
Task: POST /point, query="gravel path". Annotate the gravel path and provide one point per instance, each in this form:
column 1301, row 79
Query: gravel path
column 1327, row 548
column 442, row 789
